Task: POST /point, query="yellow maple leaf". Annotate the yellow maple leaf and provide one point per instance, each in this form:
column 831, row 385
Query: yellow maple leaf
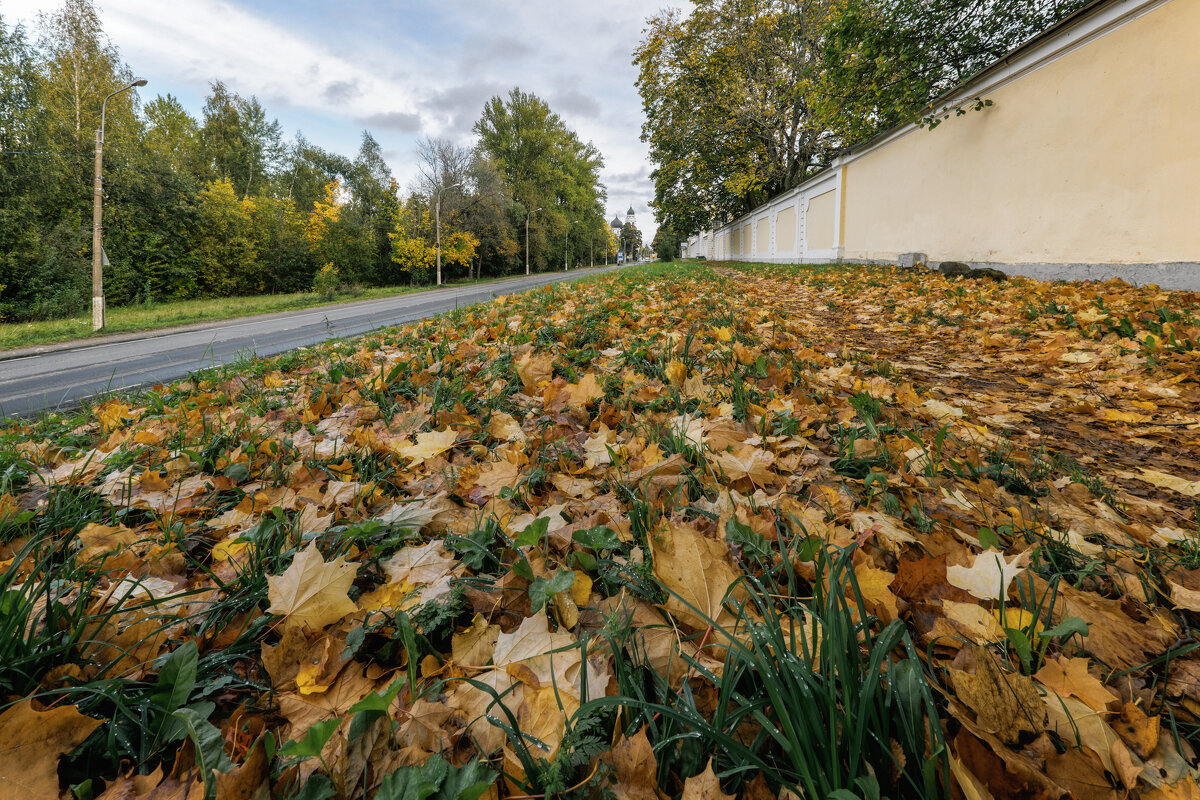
column 587, row 391
column 392, row 596
column 1070, row 677
column 228, row 548
column 112, row 414
column 1018, row 618
column 309, row 679
column 675, row 371
column 311, row 591
column 747, row 462
column 704, row 786
column 534, row 369
column 428, row 445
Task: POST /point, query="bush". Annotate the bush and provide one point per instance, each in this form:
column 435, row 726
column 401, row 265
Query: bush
column 325, row 282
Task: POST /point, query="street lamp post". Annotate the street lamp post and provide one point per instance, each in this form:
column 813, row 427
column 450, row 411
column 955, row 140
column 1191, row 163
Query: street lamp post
column 437, row 228
column 566, row 240
column 528, row 214
column 98, row 215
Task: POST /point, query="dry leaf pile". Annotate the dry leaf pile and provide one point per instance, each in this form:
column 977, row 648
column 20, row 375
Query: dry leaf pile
column 406, row 565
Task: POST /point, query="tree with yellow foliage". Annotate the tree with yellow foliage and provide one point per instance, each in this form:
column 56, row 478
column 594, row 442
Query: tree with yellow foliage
column 321, row 221
column 225, row 246
column 413, row 250
column 411, row 253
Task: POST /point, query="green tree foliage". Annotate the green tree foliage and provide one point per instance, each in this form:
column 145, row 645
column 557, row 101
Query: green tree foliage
column 886, row 61
column 726, row 91
column 80, row 67
column 239, row 144
column 38, row 246
column 218, row 204
column 666, row 244
column 631, row 240
column 746, row 98
column 172, row 136
column 545, row 165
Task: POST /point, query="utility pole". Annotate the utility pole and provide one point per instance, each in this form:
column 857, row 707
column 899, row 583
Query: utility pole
column 437, row 228
column 98, row 215
column 528, row 214
column 566, row 239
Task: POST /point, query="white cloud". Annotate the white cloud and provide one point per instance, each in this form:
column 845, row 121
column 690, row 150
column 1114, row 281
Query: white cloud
column 403, row 72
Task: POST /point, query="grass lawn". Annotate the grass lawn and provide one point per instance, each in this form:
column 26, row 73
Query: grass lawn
column 683, row 531
column 128, row 319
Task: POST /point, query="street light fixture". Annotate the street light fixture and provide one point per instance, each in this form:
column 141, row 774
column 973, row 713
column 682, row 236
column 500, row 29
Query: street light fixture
column 437, row 228
column 566, row 239
column 528, row 214
column 98, row 215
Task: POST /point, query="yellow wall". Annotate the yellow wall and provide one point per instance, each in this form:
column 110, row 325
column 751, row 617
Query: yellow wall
column 785, row 230
column 764, row 236
column 737, row 242
column 1094, row 157
column 746, row 239
column 818, row 222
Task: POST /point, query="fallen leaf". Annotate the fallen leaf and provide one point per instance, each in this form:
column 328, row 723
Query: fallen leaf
column 1166, row 481
column 584, row 393
column 419, row 564
column 1075, row 722
column 428, row 445
column 636, row 768
column 533, row 370
column 1069, row 677
column 697, row 573
column 975, row 622
column 885, row 528
column 475, row 645
column 1005, row 703
column 312, row 592
column 31, row 743
column 873, row 584
column 1184, row 598
column 747, row 462
column 704, row 786
column 529, row 654
column 989, row 575
column 1139, row 731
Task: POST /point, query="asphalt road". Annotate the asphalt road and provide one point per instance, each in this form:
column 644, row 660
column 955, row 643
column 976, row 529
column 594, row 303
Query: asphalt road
column 62, row 378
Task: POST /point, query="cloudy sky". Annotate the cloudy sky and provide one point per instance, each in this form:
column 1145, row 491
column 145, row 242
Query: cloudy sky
column 401, row 69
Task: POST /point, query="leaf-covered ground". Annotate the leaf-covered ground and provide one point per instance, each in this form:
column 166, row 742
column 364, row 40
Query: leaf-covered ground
column 687, row 531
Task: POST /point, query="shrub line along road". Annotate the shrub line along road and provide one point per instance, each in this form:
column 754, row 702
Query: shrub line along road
column 62, row 378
